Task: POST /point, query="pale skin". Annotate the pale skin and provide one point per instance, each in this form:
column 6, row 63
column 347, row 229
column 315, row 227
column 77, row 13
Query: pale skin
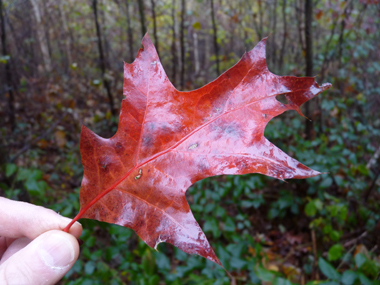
column 33, row 247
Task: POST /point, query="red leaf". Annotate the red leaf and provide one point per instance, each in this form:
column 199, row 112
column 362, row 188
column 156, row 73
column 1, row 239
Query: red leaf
column 167, row 140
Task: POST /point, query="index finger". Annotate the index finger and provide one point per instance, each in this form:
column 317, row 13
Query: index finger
column 20, row 219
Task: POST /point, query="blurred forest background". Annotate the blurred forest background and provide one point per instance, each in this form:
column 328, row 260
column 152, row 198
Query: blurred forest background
column 61, row 66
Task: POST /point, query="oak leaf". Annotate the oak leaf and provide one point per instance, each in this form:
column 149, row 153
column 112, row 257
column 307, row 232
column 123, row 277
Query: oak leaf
column 167, row 140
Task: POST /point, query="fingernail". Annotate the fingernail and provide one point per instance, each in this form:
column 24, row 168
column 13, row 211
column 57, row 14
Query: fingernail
column 56, row 252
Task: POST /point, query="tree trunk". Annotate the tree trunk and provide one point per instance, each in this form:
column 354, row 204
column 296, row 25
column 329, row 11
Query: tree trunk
column 8, row 75
column 274, row 28
column 47, row 18
column 196, row 54
column 174, row 46
column 282, row 53
column 142, row 16
column 42, row 36
column 340, row 46
column 130, row 34
column 340, row 41
column 309, row 126
column 260, row 19
column 215, row 31
column 298, row 15
column 66, row 32
column 103, row 33
column 101, row 57
column 258, row 26
column 182, row 41
column 155, row 25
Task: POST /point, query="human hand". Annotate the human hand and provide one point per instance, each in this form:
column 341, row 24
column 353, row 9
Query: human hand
column 33, row 247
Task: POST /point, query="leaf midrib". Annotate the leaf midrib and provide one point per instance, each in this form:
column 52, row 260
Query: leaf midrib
column 112, row 187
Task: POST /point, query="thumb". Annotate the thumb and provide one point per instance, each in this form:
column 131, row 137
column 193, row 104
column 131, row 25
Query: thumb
column 43, row 261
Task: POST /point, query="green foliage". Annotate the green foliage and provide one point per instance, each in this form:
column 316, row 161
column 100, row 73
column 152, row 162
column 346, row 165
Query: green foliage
column 335, row 252
column 328, row 270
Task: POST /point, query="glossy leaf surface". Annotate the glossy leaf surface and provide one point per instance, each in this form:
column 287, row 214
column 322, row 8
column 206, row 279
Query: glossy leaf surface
column 167, row 140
